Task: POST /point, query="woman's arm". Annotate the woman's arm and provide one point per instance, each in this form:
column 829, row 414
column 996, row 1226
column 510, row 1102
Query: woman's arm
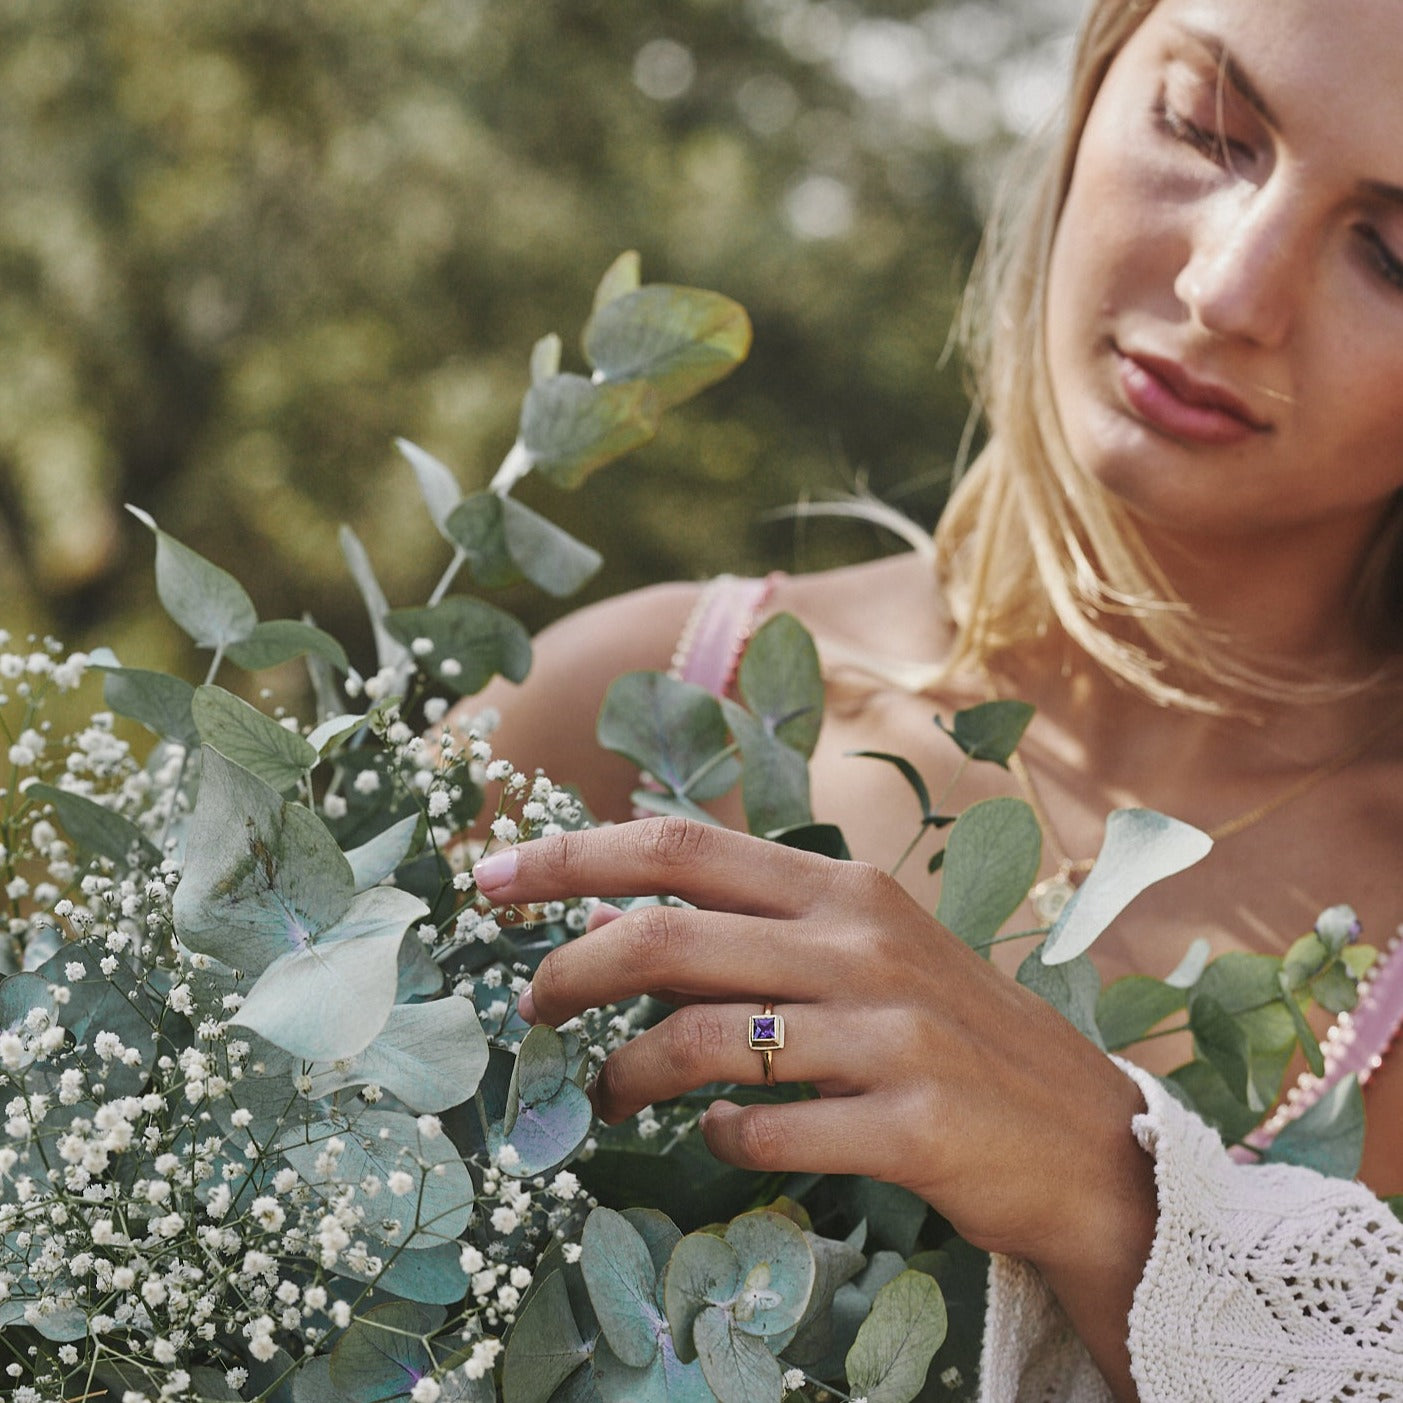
column 547, row 722
column 1116, row 1213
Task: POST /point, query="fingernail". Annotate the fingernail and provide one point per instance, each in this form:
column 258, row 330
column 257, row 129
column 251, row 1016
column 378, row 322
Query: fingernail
column 526, row 1005
column 602, row 915
column 496, row 869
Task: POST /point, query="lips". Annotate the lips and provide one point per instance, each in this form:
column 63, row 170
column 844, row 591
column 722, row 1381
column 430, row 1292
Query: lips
column 1176, row 402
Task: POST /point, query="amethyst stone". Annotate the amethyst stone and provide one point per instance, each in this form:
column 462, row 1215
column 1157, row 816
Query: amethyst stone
column 766, row 1030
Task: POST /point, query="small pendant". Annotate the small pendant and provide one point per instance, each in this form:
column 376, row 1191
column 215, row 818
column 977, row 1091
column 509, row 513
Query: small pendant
column 1051, row 895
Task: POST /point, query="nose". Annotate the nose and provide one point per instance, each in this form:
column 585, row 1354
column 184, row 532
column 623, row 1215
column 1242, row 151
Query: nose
column 1246, row 266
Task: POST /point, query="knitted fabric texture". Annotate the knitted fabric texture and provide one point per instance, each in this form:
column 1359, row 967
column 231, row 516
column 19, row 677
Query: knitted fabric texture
column 1265, row 1284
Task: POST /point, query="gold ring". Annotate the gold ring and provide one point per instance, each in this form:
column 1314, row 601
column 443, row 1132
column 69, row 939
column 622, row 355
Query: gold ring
column 766, row 1037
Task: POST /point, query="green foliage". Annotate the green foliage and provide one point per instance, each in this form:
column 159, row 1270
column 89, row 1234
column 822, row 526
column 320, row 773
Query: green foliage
column 991, row 861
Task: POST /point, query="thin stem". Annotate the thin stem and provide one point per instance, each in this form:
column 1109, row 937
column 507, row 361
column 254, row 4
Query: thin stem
column 515, row 466
column 1015, row 935
column 448, row 576
column 1165, row 1032
column 935, row 809
column 719, row 758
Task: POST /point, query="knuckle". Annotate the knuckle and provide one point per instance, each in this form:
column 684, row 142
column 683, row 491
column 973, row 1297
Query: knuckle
column 671, row 842
column 760, row 1139
column 657, row 937
column 559, row 858
column 696, row 1042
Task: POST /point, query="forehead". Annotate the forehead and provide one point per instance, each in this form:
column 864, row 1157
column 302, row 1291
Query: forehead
column 1332, row 65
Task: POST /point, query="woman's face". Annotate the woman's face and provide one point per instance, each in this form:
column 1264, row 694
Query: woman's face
column 1225, row 305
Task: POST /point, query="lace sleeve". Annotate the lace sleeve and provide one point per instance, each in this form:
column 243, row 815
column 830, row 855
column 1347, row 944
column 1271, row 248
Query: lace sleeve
column 1265, row 1284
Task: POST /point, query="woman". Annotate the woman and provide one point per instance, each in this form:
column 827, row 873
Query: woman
column 1183, row 545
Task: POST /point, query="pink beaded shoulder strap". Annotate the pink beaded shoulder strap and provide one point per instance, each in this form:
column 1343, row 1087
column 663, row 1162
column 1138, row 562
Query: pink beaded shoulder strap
column 713, row 640
column 1355, row 1044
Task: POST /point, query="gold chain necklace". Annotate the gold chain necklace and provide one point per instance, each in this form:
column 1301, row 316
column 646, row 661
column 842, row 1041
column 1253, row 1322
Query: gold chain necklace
column 1050, row 895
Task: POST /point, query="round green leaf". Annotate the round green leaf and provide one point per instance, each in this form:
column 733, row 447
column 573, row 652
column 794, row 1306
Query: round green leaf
column 777, row 1271
column 472, row 642
column 991, row 860
column 430, row 1056
column 1129, row 1008
column 703, row 1271
column 158, row 701
column 679, row 339
column 1329, row 1136
column 544, row 1347
column 674, row 730
column 94, row 828
column 621, row 1278
column 990, row 731
column 738, row 1365
column 437, row 1208
column 382, row 1355
column 780, row 682
column 571, row 426
column 1072, row 988
column 897, row 1341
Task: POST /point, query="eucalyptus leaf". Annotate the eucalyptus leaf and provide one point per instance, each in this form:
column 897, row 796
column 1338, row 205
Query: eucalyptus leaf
column 738, row 1366
column 472, row 642
column 679, row 339
column 1220, row 1041
column 99, row 1002
column 505, row 541
column 433, row 1276
column 624, row 274
column 327, row 736
column 1305, row 1034
column 1130, row 1007
column 990, row 731
column 382, row 1354
column 570, row 426
column 1190, row 969
column 777, row 1273
column 774, row 777
column 310, row 1384
column 377, row 858
column 330, row 996
column 430, row 1056
column 665, row 1379
column 825, row 839
column 437, row 484
column 1072, row 988
column 1328, row 1136
column 388, row 650
column 991, row 860
column 19, row 995
column 158, row 701
column 673, row 730
column 280, row 640
column 658, row 801
column 780, row 682
column 377, row 1143
column 704, row 1271
column 621, row 1278
column 1140, row 848
column 1204, row 1089
column 544, row 1347
column 897, row 1341
column 94, row 828
column 547, row 1116
column 261, row 875
column 206, row 601
column 250, row 739
column 545, row 358
column 907, row 771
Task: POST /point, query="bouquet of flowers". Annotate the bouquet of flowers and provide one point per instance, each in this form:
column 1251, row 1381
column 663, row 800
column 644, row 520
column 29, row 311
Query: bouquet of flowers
column 272, row 1127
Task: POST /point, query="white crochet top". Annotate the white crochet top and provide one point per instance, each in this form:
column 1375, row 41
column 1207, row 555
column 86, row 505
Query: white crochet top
column 1265, row 1284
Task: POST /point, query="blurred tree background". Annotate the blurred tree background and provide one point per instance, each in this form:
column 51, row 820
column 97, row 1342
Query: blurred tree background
column 245, row 243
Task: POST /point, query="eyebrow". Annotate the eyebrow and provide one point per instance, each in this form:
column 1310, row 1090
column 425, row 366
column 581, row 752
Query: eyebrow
column 1233, row 72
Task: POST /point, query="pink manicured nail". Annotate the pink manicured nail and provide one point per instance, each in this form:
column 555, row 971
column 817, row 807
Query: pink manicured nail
column 496, row 869
column 526, row 1006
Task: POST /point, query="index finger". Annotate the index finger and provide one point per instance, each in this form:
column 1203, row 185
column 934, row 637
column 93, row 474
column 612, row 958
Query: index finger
column 707, row 866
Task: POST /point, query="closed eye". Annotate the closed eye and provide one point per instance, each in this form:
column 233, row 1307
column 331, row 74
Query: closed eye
column 1383, row 259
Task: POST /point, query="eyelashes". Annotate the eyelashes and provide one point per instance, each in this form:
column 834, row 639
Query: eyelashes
column 1213, row 144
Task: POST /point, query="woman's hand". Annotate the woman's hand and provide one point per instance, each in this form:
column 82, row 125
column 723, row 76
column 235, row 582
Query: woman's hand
column 934, row 1071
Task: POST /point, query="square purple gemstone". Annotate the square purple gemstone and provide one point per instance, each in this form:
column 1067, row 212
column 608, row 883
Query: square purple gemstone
column 764, row 1030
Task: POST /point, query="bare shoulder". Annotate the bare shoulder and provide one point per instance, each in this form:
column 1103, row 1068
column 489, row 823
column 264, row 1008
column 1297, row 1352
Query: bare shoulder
column 548, row 721
column 890, row 608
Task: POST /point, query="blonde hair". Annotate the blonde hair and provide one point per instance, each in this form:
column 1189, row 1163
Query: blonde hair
column 1028, row 541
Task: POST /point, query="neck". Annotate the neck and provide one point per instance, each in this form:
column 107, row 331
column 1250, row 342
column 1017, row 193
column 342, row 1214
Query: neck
column 1285, row 599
